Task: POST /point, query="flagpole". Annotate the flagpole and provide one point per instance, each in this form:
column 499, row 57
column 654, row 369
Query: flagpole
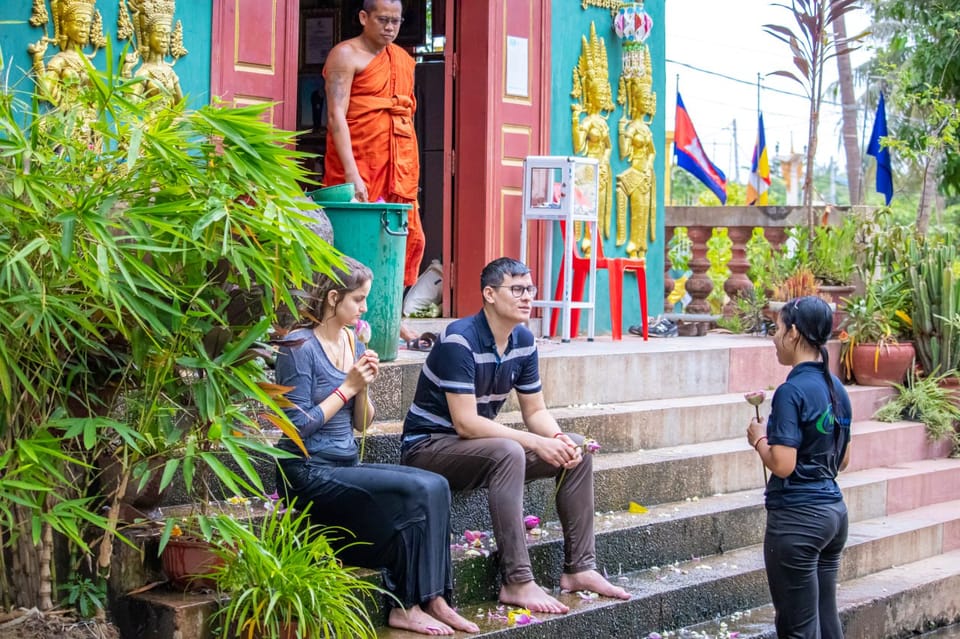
column 758, row 95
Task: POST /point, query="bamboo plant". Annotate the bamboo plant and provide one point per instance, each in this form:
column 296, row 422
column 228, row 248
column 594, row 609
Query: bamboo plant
column 142, row 257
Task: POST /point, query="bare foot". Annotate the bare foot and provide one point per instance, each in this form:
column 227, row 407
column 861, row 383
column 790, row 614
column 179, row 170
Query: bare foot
column 407, row 333
column 440, row 609
column 532, row 597
column 594, row 582
column 416, row 620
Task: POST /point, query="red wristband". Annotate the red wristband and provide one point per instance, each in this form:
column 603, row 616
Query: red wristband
column 339, row 393
column 555, row 435
column 757, row 443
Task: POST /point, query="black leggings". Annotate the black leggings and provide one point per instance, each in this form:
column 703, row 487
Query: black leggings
column 801, row 550
column 400, row 515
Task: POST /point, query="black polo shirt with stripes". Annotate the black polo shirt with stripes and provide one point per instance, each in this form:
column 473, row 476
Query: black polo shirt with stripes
column 465, row 361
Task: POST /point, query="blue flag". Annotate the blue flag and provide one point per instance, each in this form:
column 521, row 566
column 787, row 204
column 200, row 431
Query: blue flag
column 882, row 153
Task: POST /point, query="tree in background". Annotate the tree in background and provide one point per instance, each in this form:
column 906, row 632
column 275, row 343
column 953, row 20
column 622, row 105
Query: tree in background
column 917, row 52
column 848, row 101
column 813, row 46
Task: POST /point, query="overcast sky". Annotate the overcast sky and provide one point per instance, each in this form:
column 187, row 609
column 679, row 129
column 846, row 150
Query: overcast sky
column 717, row 39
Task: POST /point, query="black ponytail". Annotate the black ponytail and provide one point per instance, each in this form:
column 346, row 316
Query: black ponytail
column 814, row 321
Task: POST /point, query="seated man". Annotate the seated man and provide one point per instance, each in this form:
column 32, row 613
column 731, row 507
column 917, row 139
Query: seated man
column 450, row 430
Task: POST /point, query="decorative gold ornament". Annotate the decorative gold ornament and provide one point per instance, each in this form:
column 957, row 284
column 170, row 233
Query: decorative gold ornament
column 637, row 184
column 76, row 24
column 593, row 102
column 148, row 23
column 603, row 4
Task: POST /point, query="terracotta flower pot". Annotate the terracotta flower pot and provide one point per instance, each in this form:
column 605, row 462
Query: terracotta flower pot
column 889, row 367
column 184, row 560
column 836, row 295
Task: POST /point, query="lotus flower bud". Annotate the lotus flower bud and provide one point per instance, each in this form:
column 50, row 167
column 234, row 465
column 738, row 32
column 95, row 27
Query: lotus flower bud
column 362, row 329
column 531, row 521
column 590, row 445
column 755, row 398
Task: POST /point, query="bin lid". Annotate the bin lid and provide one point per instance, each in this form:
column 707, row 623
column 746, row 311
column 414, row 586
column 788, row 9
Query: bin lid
column 365, row 206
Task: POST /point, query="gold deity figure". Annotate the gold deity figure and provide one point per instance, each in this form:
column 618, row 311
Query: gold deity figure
column 76, row 24
column 151, row 27
column 593, row 102
column 637, row 184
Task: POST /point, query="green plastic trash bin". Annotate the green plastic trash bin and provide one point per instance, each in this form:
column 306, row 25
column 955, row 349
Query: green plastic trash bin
column 376, row 235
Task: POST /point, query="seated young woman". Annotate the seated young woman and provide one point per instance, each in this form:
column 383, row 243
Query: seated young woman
column 399, row 515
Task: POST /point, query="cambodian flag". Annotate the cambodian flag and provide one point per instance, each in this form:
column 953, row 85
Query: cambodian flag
column 691, row 156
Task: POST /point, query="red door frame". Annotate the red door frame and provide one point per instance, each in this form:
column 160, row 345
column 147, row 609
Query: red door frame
column 492, row 134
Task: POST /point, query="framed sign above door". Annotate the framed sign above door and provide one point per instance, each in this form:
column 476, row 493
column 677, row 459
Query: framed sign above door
column 319, row 31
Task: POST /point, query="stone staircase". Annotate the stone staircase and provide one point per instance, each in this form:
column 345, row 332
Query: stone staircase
column 671, row 418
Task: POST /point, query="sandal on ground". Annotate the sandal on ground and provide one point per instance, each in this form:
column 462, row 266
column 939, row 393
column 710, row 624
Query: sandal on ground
column 423, row 343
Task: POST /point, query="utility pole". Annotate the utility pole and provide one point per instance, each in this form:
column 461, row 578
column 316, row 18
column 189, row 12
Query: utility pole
column 736, row 159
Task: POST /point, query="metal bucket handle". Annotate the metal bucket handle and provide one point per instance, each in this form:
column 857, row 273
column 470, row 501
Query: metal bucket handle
column 386, row 226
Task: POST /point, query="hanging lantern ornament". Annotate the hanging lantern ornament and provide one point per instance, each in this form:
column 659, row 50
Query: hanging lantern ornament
column 633, row 26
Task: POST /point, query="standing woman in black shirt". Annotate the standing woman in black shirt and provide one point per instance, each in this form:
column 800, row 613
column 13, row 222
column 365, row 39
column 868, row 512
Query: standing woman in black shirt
column 805, row 443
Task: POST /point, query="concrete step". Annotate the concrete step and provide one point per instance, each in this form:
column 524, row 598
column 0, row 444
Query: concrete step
column 646, row 550
column 681, row 593
column 676, row 473
column 608, row 372
column 901, row 601
column 647, row 424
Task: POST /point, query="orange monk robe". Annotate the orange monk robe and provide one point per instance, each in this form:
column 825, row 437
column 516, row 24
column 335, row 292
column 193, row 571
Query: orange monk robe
column 380, row 119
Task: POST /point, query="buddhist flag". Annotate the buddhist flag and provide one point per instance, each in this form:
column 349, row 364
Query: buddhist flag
column 759, row 182
column 882, row 153
column 691, row 156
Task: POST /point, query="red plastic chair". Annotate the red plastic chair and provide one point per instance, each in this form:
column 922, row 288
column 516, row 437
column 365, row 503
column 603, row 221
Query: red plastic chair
column 616, row 267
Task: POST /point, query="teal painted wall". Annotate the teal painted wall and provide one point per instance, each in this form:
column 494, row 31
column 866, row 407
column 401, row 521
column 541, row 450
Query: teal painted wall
column 193, row 69
column 569, row 24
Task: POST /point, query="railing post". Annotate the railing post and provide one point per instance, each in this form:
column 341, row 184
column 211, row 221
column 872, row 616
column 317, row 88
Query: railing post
column 738, row 283
column 668, row 282
column 699, row 284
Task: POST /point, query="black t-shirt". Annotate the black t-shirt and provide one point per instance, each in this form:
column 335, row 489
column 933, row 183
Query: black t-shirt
column 802, row 418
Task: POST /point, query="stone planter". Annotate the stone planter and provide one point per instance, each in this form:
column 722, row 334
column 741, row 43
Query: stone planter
column 881, row 365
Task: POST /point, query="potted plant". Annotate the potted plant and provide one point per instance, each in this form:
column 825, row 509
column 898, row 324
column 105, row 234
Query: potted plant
column 281, row 577
column 875, row 323
column 934, row 276
column 928, row 400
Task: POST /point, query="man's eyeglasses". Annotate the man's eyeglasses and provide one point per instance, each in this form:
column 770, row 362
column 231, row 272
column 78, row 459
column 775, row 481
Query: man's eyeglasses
column 385, row 21
column 517, row 291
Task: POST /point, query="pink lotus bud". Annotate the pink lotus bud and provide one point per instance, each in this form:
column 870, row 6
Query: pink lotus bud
column 590, row 445
column 362, row 329
column 755, row 398
column 531, row 521
column 472, row 536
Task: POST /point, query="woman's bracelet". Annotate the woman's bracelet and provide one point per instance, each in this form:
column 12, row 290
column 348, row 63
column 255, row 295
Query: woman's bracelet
column 339, row 393
column 555, row 435
column 756, row 444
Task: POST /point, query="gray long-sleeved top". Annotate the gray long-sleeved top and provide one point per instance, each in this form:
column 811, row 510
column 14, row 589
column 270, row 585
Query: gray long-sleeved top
column 307, row 368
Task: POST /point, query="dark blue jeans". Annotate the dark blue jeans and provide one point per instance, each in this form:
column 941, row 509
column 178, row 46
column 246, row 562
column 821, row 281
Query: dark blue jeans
column 801, row 550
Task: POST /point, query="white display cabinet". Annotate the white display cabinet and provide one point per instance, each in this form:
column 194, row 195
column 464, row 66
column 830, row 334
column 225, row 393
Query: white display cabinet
column 562, row 189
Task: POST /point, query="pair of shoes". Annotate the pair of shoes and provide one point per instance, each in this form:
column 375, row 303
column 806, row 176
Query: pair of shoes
column 663, row 327
column 423, row 343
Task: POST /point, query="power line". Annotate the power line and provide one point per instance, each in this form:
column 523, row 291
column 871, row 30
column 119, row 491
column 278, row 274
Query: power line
column 747, row 82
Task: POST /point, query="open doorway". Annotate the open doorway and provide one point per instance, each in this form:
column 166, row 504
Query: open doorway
column 424, row 34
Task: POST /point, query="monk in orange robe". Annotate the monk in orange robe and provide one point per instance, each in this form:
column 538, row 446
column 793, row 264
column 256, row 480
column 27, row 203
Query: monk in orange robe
column 371, row 141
